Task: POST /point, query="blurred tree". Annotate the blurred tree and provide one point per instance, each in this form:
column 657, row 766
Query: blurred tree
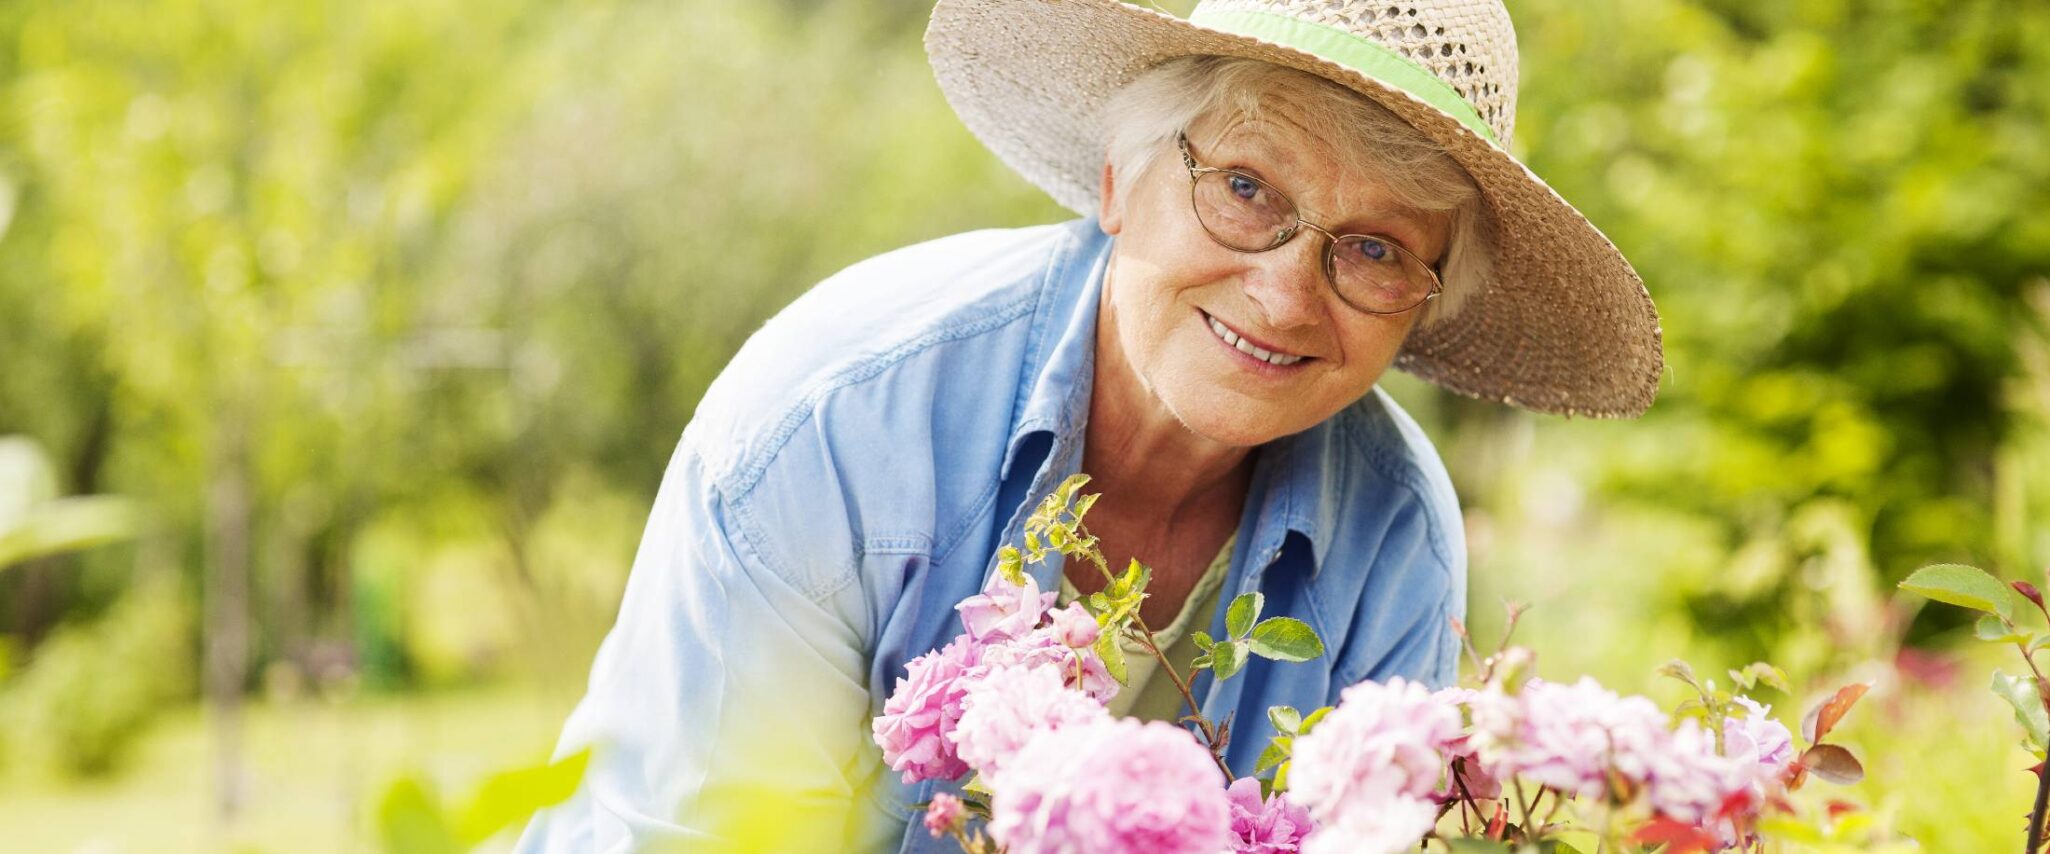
column 1838, row 208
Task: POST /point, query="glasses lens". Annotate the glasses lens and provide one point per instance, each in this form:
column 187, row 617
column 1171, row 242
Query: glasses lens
column 1379, row 276
column 1242, row 212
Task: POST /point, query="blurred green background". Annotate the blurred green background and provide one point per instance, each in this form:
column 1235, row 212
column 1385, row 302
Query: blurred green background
column 342, row 345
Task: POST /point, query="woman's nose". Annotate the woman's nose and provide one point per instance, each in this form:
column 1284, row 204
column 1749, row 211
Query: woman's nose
column 1287, row 282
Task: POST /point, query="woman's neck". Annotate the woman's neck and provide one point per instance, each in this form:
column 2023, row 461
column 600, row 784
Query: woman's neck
column 1144, row 460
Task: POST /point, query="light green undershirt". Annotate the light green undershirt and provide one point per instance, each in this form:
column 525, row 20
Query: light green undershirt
column 1143, row 696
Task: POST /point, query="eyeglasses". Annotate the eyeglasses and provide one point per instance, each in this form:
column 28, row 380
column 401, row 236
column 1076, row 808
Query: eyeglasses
column 1242, row 213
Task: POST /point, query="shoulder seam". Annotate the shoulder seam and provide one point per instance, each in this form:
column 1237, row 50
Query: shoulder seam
column 741, row 482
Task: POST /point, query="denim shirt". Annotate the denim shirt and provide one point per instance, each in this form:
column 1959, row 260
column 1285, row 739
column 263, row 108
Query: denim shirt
column 849, row 478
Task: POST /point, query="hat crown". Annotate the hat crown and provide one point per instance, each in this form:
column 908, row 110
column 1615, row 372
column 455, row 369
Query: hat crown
column 1468, row 44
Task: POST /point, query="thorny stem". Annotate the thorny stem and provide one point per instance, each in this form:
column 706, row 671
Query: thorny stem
column 1146, row 637
column 2042, row 773
column 1466, row 807
column 1523, row 799
column 1558, row 800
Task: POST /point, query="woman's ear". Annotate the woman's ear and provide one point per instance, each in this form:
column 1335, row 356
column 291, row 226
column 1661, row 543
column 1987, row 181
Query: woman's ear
column 1110, row 215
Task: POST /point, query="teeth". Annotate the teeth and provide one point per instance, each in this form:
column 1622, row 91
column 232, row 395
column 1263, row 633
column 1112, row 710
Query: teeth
column 1229, row 337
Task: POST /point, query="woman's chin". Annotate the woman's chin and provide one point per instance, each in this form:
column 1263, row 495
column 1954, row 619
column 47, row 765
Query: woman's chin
column 1232, row 423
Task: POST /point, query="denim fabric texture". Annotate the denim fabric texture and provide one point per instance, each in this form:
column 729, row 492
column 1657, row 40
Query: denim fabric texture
column 849, row 478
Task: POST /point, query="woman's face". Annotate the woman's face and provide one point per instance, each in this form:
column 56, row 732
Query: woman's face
column 1171, row 286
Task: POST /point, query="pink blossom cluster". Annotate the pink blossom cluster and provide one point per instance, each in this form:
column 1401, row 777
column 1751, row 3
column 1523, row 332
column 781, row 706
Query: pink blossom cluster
column 1583, row 739
column 1368, row 771
column 972, row 703
column 1113, row 786
column 1375, row 771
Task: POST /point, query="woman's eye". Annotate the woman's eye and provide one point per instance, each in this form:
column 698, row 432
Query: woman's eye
column 1244, row 187
column 1375, row 250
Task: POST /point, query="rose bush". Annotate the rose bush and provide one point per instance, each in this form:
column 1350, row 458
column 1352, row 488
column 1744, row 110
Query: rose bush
column 1017, row 700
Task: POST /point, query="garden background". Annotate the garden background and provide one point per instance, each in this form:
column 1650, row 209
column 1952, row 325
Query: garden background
column 342, row 346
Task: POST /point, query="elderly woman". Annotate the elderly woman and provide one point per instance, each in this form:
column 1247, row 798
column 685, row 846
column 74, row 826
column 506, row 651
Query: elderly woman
column 1285, row 198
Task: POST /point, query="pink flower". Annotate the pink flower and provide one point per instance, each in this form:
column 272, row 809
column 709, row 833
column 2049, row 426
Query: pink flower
column 1758, row 739
column 1081, row 669
column 1689, row 780
column 944, row 815
column 919, row 716
column 1272, row 826
column 1464, row 778
column 1395, row 826
column 1383, row 741
column 1003, row 610
column 1008, row 706
column 1567, row 736
column 1075, row 627
column 1112, row 786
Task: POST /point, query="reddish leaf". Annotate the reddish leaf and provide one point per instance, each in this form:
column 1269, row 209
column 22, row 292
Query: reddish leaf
column 2029, row 591
column 1834, row 764
column 1839, row 809
column 1824, row 717
column 1679, row 838
column 1498, row 825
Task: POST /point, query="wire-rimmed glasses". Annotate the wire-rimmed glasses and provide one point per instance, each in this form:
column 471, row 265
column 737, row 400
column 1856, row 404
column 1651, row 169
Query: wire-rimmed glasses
column 1370, row 272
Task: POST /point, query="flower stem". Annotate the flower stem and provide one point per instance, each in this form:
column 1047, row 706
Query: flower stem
column 2042, row 774
column 1146, row 637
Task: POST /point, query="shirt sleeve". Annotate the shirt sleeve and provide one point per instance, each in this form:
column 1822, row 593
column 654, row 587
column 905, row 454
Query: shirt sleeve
column 728, row 707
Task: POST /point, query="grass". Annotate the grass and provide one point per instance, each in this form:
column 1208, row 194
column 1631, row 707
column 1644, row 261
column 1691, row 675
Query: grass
column 311, row 774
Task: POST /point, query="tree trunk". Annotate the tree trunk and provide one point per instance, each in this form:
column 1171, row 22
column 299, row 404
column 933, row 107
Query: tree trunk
column 227, row 607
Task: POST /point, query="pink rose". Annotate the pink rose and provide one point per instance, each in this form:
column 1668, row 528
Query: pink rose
column 1758, row 739
column 944, row 814
column 1075, row 627
column 1008, row 706
column 1568, row 737
column 1003, row 611
column 918, row 719
column 1112, row 786
column 1272, row 826
column 1080, row 668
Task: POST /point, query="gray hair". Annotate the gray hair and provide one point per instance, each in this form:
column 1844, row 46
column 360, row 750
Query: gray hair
column 1143, row 117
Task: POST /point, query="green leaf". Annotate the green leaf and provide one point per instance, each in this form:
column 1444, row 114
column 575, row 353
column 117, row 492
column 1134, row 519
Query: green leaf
column 410, row 820
column 514, row 796
column 1203, row 640
column 1760, row 673
column 1238, row 620
column 1286, row 719
column 1964, row 586
column 2038, row 641
column 1275, row 754
column 1228, row 658
column 1680, row 670
column 1992, row 628
column 1136, row 577
column 1286, row 639
column 1083, row 504
column 1113, row 655
column 1311, row 722
column 2020, row 692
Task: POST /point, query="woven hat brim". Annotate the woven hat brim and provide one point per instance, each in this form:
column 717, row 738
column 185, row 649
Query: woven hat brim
column 1566, row 326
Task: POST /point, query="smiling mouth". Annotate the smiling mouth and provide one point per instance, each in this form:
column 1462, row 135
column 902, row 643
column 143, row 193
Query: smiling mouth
column 1232, row 339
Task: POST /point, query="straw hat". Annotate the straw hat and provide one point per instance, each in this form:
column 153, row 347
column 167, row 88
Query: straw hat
column 1565, row 326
